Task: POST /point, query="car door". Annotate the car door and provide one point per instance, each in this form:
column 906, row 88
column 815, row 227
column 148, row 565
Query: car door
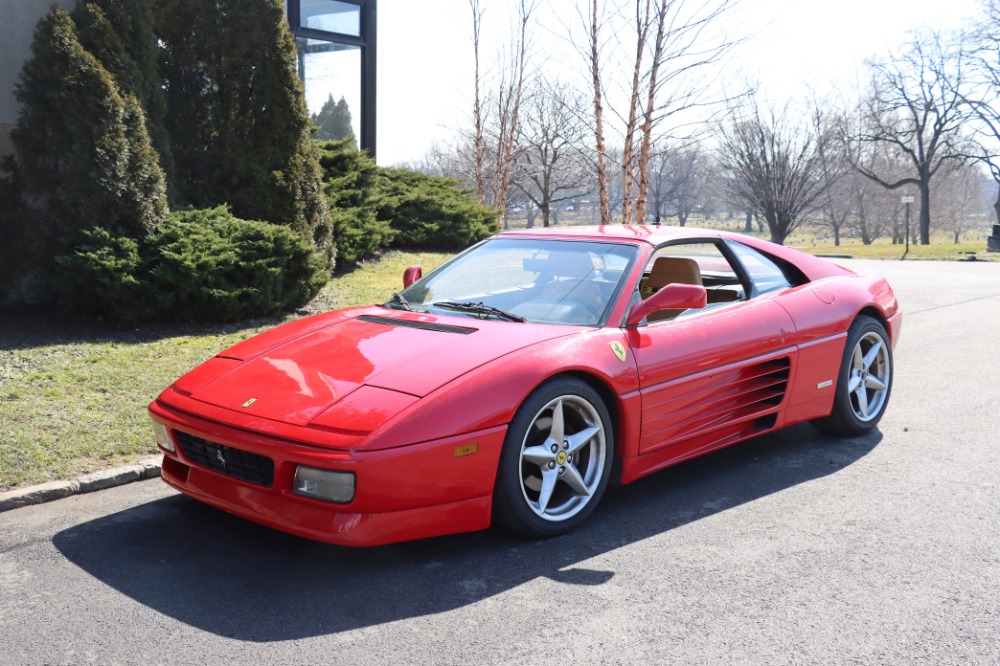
column 712, row 376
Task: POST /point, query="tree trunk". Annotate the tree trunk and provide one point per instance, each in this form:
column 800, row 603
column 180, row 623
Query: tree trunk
column 545, row 214
column 647, row 125
column 925, row 212
column 628, row 149
column 996, row 204
column 778, row 228
column 602, row 169
column 477, row 107
column 836, row 236
column 748, row 227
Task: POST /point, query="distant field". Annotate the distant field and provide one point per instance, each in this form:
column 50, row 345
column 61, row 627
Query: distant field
column 817, row 241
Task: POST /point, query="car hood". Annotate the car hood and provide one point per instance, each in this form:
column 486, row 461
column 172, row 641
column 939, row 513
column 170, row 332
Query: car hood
column 294, row 373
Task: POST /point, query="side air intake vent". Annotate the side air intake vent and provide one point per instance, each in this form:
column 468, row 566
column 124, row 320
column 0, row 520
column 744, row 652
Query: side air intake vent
column 734, row 402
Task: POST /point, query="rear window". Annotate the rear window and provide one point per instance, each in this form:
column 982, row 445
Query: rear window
column 764, row 272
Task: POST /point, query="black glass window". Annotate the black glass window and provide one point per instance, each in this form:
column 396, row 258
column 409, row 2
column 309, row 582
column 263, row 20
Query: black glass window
column 330, row 16
column 335, row 40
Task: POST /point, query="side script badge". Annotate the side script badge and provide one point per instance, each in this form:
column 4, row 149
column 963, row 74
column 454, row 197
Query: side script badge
column 619, row 350
column 248, row 403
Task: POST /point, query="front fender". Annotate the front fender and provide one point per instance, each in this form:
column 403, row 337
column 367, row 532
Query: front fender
column 489, row 395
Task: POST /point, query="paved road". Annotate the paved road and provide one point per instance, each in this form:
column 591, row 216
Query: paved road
column 792, row 548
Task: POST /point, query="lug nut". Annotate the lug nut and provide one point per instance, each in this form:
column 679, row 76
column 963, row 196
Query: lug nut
column 552, row 465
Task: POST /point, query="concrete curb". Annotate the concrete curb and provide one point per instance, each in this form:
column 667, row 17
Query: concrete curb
column 147, row 468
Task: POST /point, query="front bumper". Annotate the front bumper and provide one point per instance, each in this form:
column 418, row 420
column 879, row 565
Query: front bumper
column 410, row 492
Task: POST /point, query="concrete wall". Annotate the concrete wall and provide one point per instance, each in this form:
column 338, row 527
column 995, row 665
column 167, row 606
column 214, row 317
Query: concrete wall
column 17, row 28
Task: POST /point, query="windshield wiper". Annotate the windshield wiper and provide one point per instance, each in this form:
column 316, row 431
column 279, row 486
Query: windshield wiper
column 479, row 309
column 398, row 298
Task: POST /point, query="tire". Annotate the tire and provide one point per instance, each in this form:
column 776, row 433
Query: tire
column 864, row 382
column 551, row 476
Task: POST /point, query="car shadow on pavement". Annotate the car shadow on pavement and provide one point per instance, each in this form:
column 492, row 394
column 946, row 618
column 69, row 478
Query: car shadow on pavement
column 233, row 578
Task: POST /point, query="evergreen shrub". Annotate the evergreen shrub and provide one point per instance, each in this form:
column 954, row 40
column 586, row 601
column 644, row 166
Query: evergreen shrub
column 239, row 128
column 353, row 186
column 199, row 265
column 433, row 212
column 210, row 265
column 84, row 157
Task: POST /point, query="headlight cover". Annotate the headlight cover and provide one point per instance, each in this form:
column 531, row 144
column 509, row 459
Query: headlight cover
column 324, row 484
column 163, row 437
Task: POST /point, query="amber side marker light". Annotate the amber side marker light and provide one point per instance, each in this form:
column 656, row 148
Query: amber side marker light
column 324, row 484
column 466, row 450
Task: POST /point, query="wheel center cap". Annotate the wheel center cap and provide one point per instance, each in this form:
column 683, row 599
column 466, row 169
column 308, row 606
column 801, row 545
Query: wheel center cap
column 561, row 458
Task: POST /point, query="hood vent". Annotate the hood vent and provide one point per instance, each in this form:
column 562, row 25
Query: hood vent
column 424, row 325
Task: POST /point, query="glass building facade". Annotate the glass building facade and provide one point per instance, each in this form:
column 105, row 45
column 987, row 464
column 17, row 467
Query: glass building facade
column 336, row 51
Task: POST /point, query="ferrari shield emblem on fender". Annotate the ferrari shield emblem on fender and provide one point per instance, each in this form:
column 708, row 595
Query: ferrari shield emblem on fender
column 619, row 350
column 248, row 403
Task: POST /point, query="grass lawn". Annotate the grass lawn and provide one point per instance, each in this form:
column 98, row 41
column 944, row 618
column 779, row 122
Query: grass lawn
column 73, row 393
column 941, row 248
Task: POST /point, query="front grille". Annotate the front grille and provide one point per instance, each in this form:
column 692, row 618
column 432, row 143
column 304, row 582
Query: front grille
column 238, row 464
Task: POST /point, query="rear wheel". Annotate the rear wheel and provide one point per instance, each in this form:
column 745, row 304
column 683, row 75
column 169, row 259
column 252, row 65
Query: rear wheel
column 864, row 382
column 556, row 460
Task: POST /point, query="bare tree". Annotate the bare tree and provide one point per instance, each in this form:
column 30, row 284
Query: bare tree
column 677, row 42
column 679, row 178
column 477, row 104
column 772, row 165
column 915, row 108
column 983, row 97
column 550, row 168
column 875, row 212
column 497, row 114
column 593, row 54
column 964, row 193
column 840, row 180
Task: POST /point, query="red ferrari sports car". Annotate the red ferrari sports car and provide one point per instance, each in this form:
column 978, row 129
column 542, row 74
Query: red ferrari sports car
column 514, row 382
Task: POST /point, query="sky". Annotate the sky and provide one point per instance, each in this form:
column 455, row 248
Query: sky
column 425, row 66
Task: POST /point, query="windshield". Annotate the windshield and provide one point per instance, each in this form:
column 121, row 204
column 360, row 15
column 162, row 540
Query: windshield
column 538, row 280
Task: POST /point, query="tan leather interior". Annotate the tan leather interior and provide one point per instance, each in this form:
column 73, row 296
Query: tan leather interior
column 670, row 270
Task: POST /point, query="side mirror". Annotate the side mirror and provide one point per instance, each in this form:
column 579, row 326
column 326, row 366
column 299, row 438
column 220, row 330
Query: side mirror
column 670, row 297
column 411, row 275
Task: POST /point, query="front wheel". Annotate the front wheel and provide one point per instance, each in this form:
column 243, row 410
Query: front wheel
column 864, row 382
column 556, row 460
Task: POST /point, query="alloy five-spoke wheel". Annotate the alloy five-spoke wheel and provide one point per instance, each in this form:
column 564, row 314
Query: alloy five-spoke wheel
column 556, row 460
column 864, row 382
column 868, row 385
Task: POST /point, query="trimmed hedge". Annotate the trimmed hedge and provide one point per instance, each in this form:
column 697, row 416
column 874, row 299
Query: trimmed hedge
column 352, row 184
column 199, row 265
column 433, row 212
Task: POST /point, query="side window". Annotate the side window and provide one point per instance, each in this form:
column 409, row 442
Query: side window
column 698, row 263
column 765, row 273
